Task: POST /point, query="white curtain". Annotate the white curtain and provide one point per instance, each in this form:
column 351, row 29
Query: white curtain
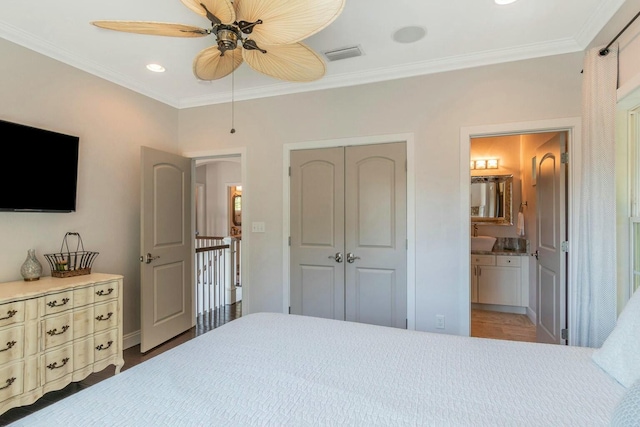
column 595, row 290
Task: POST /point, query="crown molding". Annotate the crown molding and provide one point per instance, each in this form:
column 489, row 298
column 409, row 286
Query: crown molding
column 597, row 21
column 491, row 57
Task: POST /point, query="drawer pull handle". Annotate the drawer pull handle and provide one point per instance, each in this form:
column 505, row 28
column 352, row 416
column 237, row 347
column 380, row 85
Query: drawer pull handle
column 55, row 303
column 9, row 315
column 9, row 345
column 54, row 365
column 54, row 331
column 9, row 382
column 102, row 293
column 102, row 317
column 103, row 347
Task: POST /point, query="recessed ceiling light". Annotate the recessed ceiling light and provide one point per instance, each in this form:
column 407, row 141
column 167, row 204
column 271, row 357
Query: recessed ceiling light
column 501, row 2
column 409, row 34
column 156, row 68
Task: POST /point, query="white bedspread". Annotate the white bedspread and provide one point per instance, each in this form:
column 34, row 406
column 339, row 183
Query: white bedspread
column 276, row 369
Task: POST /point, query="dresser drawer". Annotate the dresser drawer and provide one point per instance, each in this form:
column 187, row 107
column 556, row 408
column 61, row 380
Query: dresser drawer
column 105, row 344
column 83, row 353
column 12, row 312
column 483, row 259
column 57, row 363
column 11, row 344
column 83, row 320
column 11, row 380
column 105, row 291
column 106, row 316
column 56, row 303
column 57, row 330
column 508, row 261
column 83, row 296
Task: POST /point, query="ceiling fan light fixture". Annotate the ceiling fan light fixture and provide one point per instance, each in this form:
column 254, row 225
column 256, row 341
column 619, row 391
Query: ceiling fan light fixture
column 227, row 38
column 276, row 28
column 156, row 68
column 410, row 34
column 504, row 2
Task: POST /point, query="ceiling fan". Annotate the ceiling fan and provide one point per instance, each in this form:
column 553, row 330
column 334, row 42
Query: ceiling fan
column 269, row 32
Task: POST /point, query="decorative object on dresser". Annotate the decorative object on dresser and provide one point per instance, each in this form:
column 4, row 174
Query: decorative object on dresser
column 57, row 331
column 31, row 268
column 71, row 263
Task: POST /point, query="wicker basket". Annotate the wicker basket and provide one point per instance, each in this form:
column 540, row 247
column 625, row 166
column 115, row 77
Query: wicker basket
column 71, row 263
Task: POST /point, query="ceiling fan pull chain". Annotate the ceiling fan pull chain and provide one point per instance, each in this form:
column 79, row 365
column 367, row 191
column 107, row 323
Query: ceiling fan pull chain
column 233, row 73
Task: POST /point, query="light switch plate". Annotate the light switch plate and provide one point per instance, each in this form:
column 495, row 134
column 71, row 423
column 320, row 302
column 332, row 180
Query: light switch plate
column 258, row 227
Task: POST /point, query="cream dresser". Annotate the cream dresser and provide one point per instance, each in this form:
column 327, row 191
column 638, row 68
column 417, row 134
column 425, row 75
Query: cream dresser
column 55, row 331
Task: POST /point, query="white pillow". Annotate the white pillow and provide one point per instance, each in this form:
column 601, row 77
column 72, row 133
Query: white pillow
column 627, row 412
column 619, row 356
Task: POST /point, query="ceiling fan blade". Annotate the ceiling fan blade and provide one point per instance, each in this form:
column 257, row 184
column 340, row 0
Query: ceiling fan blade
column 291, row 62
column 217, row 11
column 287, row 21
column 209, row 64
column 153, row 28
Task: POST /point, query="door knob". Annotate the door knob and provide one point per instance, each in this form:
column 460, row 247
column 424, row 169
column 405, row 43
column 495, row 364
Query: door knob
column 351, row 258
column 151, row 258
column 337, row 257
column 535, row 254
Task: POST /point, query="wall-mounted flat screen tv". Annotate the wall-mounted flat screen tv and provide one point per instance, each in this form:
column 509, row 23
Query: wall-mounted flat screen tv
column 38, row 169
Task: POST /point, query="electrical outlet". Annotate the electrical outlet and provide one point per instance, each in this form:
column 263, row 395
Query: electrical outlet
column 439, row 321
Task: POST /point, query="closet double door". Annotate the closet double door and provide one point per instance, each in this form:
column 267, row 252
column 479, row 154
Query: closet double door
column 348, row 233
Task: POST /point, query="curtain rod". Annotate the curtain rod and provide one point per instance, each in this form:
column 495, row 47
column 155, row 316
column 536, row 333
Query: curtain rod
column 605, row 50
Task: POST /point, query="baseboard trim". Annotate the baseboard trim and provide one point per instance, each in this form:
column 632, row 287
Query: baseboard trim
column 501, row 308
column 130, row 340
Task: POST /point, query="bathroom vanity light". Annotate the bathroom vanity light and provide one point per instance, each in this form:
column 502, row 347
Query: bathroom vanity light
column 484, row 164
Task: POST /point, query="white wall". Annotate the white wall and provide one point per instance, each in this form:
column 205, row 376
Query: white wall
column 112, row 123
column 219, row 175
column 433, row 108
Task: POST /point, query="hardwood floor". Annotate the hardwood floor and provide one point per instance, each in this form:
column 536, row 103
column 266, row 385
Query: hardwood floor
column 505, row 326
column 132, row 357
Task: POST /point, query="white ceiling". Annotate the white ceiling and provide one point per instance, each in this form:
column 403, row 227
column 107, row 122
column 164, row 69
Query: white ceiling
column 460, row 34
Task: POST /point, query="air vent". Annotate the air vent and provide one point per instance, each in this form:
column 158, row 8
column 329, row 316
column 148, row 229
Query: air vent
column 347, row 52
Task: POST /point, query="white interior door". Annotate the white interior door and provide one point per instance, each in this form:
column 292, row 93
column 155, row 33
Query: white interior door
column 167, row 246
column 348, row 233
column 317, row 233
column 376, row 234
column 551, row 229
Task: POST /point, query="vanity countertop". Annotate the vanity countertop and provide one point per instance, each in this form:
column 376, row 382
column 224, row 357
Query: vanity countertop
column 500, row 252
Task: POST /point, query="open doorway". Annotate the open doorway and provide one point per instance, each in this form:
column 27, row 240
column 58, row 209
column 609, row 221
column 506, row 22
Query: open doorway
column 565, row 301
column 218, row 284
column 519, row 211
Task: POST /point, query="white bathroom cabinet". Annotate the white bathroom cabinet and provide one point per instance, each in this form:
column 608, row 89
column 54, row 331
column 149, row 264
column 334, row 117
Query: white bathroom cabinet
column 500, row 280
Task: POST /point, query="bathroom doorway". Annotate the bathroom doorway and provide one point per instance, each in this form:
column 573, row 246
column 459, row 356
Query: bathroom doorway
column 515, row 294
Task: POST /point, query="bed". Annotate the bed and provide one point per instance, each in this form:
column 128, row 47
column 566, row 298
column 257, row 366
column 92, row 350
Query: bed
column 287, row 370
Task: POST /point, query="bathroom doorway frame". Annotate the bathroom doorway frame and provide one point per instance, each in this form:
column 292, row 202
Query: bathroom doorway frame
column 572, row 126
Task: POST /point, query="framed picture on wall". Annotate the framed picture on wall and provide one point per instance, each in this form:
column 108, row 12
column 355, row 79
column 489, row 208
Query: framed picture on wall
column 533, row 171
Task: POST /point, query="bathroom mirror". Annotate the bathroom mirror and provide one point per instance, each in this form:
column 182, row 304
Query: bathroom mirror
column 236, row 217
column 491, row 199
